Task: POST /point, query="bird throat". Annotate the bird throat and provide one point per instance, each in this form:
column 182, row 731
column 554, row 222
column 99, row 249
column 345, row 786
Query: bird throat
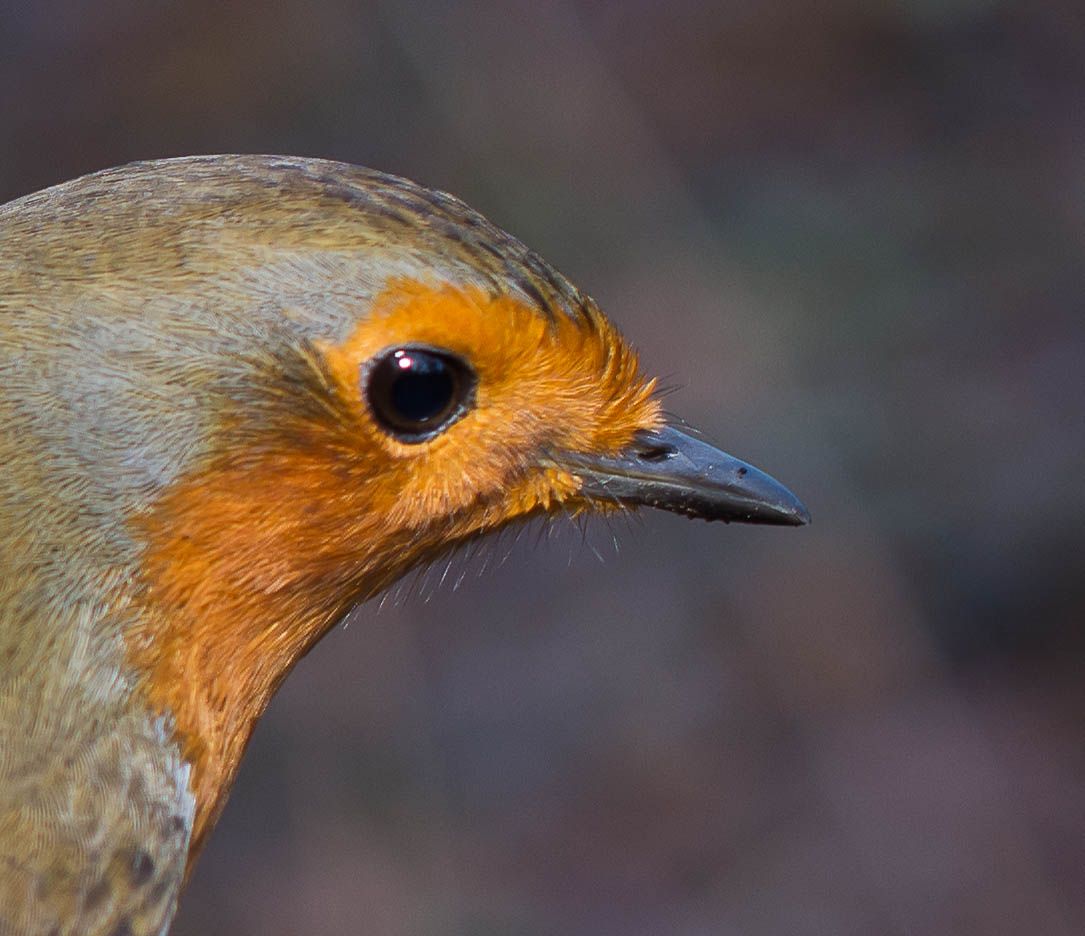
column 226, row 613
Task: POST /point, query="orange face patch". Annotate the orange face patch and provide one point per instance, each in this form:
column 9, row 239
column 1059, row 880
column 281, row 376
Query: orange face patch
column 558, row 384
column 249, row 560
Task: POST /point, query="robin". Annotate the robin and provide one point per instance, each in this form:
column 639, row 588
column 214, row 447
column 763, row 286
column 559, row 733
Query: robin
column 238, row 396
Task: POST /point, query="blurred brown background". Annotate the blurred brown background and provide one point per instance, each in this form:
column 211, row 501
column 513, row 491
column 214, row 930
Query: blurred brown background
column 852, row 231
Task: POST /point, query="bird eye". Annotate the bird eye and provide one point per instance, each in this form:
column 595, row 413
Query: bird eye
column 415, row 393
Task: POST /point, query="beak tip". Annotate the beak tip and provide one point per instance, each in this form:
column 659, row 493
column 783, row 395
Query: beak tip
column 769, row 502
column 787, row 513
column 796, row 514
column 801, row 517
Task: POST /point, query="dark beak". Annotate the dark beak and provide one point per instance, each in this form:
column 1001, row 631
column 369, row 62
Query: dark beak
column 670, row 470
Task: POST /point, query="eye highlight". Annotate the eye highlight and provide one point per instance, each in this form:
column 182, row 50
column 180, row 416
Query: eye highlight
column 417, row 392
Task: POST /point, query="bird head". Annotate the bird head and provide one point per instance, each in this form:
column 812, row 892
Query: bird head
column 314, row 378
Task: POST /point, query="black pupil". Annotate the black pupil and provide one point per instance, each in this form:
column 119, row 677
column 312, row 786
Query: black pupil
column 422, row 388
column 415, row 393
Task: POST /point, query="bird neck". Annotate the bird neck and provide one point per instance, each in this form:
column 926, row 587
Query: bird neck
column 213, row 670
column 95, row 805
column 232, row 596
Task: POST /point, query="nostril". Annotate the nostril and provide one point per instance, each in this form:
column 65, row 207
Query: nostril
column 657, row 453
column 742, row 471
